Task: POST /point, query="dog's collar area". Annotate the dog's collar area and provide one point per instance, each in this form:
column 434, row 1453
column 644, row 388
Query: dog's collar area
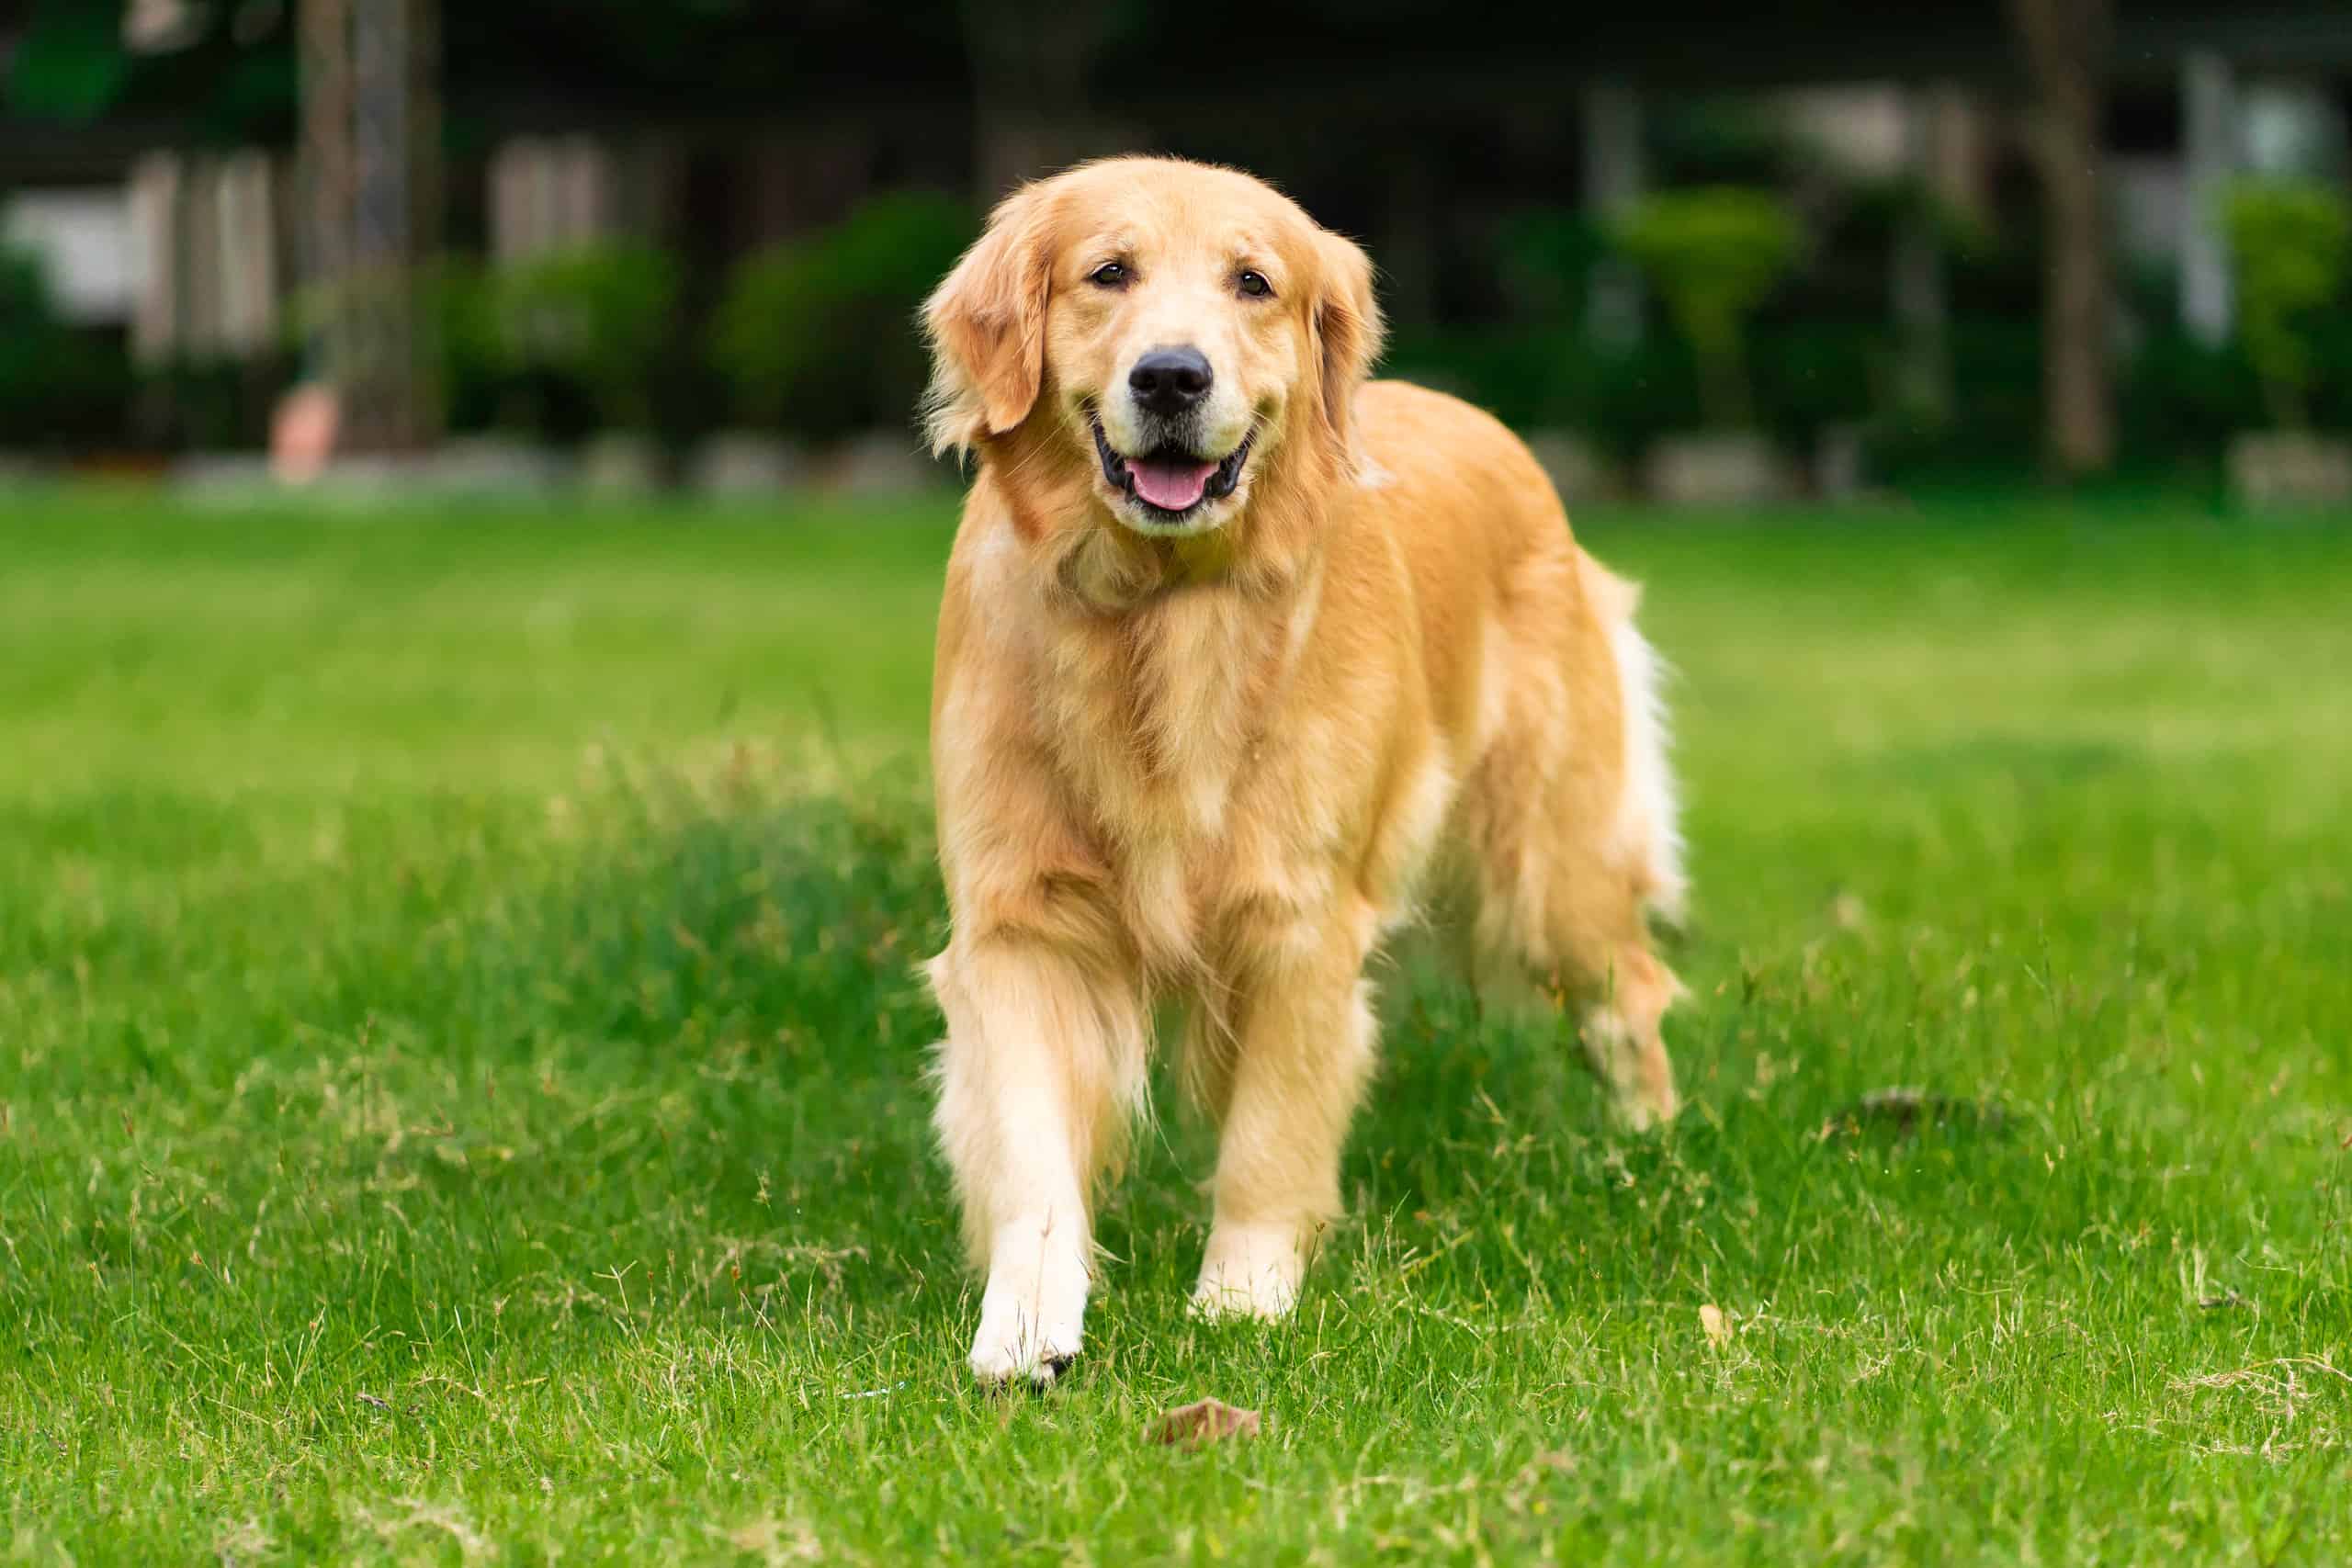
column 1202, row 557
column 1120, row 473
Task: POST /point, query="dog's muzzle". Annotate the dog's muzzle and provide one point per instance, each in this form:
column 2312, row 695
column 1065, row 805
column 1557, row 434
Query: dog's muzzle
column 1170, row 481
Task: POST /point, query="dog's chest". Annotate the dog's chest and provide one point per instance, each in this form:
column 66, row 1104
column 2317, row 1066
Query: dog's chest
column 1168, row 730
column 1217, row 848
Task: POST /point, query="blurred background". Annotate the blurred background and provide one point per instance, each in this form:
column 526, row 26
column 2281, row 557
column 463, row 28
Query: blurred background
column 1698, row 251
column 468, row 573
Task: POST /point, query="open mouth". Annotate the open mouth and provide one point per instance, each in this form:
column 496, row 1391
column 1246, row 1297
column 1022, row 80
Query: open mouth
column 1170, row 484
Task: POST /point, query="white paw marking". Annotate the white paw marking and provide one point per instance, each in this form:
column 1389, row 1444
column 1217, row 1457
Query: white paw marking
column 1033, row 1314
column 1639, row 1110
column 1249, row 1271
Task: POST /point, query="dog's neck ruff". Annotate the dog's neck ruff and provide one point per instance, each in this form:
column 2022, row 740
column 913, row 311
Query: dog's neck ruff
column 1109, row 569
column 1200, row 559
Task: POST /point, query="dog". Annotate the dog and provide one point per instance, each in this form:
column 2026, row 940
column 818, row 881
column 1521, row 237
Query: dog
column 1241, row 658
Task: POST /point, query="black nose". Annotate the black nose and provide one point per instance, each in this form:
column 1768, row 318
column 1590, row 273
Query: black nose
column 1169, row 380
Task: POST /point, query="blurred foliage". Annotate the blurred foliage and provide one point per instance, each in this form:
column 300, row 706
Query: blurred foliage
column 2291, row 243
column 2180, row 398
column 452, row 296
column 208, row 402
column 1547, row 255
column 1714, row 253
column 1808, row 374
column 70, row 63
column 818, row 334
column 226, row 74
column 57, row 385
column 554, row 347
column 477, row 371
column 596, row 316
column 1995, row 423
column 1873, row 212
column 1708, row 141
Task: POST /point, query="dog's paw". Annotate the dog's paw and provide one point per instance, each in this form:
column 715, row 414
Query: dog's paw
column 1000, row 1363
column 1248, row 1272
column 1029, row 1331
column 1010, row 1348
column 1644, row 1110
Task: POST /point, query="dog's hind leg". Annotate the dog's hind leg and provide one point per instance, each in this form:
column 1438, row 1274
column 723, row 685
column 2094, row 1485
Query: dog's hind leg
column 1570, row 822
column 1618, row 1012
column 1040, row 1075
column 1606, row 987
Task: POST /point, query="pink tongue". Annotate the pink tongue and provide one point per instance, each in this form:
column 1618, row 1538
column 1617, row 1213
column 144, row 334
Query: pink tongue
column 1170, row 486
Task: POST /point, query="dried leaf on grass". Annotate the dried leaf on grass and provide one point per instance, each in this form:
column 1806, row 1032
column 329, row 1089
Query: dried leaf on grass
column 1205, row 1421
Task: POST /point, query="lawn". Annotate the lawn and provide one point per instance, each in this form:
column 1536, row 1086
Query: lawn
column 460, row 1078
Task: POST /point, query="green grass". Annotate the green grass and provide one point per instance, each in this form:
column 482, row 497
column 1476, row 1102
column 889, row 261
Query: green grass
column 461, row 1080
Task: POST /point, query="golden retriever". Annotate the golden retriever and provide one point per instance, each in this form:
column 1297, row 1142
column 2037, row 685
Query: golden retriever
column 1239, row 656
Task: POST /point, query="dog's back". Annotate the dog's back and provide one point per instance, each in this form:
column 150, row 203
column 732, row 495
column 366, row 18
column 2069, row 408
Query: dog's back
column 1565, row 816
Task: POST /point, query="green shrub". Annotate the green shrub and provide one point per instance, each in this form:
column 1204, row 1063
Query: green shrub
column 30, row 335
column 462, row 301
column 209, row 402
column 597, row 316
column 1713, row 254
column 1995, row 413
column 59, row 385
column 2292, row 244
column 459, row 301
column 1546, row 256
column 818, row 334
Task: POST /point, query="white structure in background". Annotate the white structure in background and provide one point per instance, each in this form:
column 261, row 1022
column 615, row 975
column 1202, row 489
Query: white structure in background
column 2294, row 127
column 160, row 26
column 205, row 236
column 1615, row 172
column 83, row 237
column 549, row 193
column 1933, row 141
column 2211, row 153
column 2168, row 204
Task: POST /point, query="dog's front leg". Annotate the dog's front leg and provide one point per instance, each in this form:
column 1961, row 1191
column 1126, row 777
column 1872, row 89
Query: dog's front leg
column 1301, row 1044
column 1042, row 1067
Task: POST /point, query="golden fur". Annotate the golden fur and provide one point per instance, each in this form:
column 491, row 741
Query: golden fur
column 1220, row 760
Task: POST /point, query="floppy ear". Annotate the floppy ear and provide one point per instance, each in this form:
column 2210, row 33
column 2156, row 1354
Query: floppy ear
column 987, row 327
column 1347, row 331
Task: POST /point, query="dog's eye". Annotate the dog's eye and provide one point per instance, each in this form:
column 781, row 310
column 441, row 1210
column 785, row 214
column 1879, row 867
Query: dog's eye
column 1254, row 284
column 1110, row 275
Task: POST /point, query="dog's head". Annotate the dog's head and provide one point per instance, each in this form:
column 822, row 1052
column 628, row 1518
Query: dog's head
column 1178, row 331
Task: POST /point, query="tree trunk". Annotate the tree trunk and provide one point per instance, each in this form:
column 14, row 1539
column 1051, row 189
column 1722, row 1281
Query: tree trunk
column 371, row 134
column 2065, row 47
